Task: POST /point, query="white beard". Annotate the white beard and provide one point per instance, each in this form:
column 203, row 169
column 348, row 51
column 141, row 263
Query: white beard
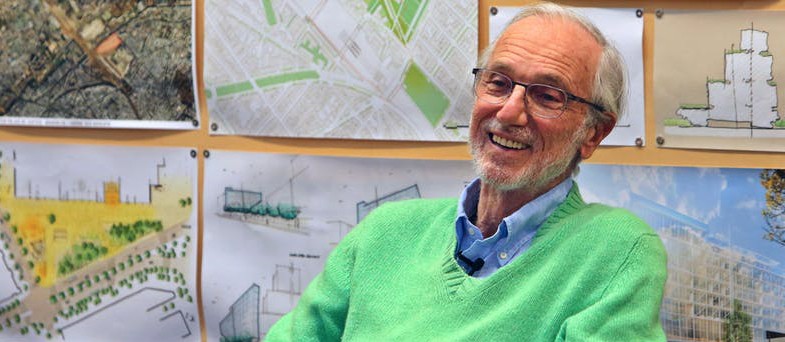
column 537, row 173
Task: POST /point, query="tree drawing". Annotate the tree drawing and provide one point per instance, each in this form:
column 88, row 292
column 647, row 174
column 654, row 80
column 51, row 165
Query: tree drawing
column 737, row 326
column 774, row 212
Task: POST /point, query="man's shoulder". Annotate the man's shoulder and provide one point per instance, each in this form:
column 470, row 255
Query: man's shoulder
column 613, row 232
column 598, row 218
column 416, row 207
column 614, row 220
column 391, row 222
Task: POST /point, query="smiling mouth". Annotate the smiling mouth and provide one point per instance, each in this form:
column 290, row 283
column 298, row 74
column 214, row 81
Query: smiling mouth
column 506, row 143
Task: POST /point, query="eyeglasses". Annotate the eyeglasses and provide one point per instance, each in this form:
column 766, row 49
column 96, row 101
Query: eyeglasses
column 542, row 100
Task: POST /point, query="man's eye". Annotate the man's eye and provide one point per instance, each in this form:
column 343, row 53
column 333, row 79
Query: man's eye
column 497, row 84
column 547, row 95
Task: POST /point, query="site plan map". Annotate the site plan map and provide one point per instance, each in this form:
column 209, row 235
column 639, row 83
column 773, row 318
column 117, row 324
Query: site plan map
column 370, row 69
column 97, row 243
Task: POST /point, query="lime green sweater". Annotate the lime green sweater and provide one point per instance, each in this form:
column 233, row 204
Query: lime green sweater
column 592, row 273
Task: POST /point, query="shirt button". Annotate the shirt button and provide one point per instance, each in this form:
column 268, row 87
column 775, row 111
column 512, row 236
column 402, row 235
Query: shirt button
column 471, row 232
column 503, row 255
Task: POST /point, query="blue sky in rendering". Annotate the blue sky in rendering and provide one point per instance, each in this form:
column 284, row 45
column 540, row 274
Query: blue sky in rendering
column 729, row 201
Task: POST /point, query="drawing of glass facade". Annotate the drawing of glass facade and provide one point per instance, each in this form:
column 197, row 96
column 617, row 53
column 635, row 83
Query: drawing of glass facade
column 242, row 322
column 705, row 276
column 241, row 200
column 364, row 208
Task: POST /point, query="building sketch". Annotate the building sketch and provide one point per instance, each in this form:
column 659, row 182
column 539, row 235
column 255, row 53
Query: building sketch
column 282, row 296
column 706, row 275
column 364, row 208
column 745, row 97
column 249, row 206
column 109, row 193
column 242, row 322
column 240, row 249
column 342, row 228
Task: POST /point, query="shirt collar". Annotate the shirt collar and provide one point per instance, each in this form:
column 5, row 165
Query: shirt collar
column 470, row 196
column 516, row 230
column 524, row 222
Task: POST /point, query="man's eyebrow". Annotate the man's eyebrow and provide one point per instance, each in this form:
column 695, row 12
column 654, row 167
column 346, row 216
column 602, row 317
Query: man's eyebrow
column 500, row 67
column 551, row 80
column 547, row 79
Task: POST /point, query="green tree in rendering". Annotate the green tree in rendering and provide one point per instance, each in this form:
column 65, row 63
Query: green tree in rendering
column 774, row 212
column 737, row 326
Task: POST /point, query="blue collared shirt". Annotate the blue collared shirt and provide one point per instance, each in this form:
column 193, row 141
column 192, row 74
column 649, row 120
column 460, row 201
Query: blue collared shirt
column 514, row 234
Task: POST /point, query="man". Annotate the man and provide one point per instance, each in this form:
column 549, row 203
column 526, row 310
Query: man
column 520, row 256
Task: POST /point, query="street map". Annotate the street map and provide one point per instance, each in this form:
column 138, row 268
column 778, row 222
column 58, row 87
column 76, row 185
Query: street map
column 370, row 69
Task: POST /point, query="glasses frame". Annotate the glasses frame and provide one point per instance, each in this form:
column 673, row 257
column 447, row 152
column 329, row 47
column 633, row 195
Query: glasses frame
column 567, row 95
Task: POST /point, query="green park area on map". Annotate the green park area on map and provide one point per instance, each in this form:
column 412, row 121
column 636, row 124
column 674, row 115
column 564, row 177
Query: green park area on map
column 431, row 101
column 240, row 87
column 400, row 16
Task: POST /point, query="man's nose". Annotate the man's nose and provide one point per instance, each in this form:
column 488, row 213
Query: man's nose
column 513, row 111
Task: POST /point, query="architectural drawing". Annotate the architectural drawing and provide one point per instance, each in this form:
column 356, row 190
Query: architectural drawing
column 91, row 255
column 716, row 84
column 249, row 206
column 256, row 208
column 282, row 296
column 746, row 96
column 240, row 250
column 242, row 322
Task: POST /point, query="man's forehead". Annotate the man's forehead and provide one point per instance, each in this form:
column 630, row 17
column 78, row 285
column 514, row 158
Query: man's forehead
column 544, row 40
column 551, row 25
column 504, row 67
column 552, row 34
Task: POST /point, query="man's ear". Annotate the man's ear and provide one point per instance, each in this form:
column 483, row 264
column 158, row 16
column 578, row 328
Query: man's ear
column 596, row 133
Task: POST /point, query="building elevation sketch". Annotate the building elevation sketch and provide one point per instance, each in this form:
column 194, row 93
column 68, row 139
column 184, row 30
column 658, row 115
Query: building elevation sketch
column 242, row 321
column 746, row 96
column 357, row 69
column 716, row 85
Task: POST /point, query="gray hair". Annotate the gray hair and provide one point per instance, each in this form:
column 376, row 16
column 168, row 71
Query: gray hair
column 609, row 89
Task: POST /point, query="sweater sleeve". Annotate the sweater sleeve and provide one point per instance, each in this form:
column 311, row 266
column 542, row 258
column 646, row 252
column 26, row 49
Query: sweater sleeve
column 629, row 308
column 321, row 312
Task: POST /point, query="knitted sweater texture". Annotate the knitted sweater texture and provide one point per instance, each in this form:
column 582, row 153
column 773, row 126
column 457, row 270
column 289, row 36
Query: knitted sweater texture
column 592, row 273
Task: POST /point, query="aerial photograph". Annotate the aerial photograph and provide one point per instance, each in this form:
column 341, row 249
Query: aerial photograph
column 97, row 63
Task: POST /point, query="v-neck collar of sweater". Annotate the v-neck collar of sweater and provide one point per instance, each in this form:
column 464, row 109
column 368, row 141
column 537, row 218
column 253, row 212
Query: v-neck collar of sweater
column 458, row 283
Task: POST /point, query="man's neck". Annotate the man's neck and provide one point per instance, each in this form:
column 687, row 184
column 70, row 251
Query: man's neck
column 494, row 204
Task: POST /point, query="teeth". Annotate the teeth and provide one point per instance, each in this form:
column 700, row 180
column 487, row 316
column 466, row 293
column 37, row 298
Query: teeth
column 507, row 143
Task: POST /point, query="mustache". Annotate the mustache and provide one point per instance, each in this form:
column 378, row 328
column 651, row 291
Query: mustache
column 522, row 134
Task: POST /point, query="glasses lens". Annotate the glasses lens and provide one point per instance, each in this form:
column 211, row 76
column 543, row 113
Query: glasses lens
column 492, row 86
column 548, row 101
